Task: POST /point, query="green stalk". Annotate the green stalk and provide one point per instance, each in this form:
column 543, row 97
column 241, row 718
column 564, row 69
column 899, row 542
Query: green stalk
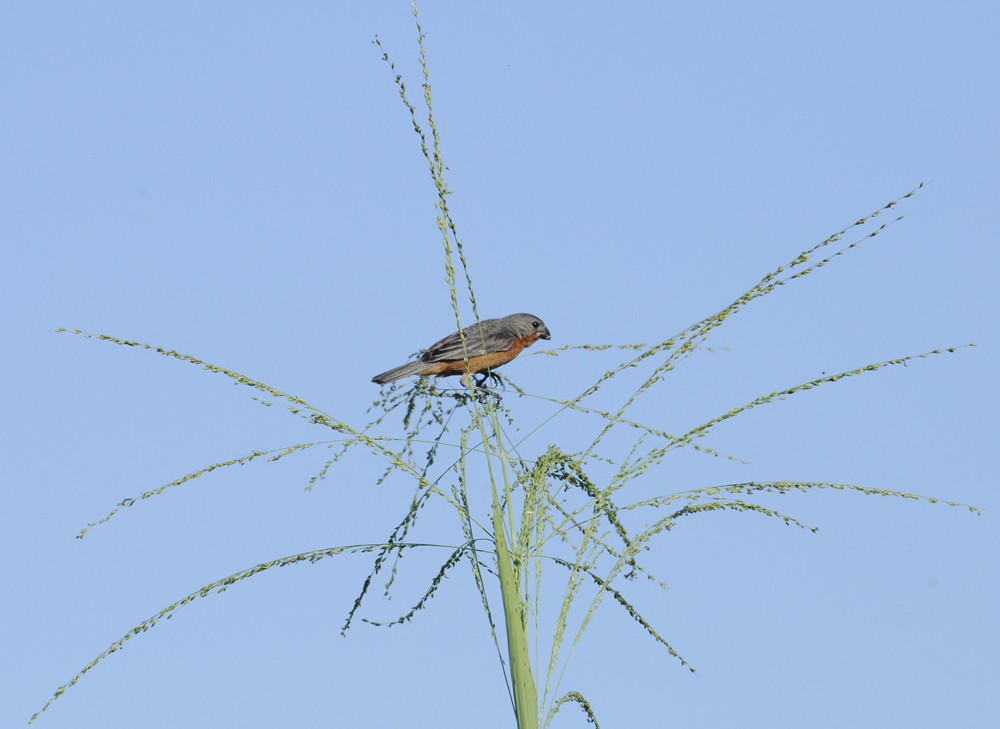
column 525, row 694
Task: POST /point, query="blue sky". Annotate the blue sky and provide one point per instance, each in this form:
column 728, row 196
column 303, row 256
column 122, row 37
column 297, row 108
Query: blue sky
column 240, row 182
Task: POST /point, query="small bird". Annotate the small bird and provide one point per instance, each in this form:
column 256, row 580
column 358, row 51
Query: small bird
column 488, row 345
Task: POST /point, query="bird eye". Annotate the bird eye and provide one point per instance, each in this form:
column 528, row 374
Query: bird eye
column 535, row 324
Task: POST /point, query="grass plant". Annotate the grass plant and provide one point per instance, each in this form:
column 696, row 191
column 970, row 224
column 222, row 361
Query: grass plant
column 562, row 535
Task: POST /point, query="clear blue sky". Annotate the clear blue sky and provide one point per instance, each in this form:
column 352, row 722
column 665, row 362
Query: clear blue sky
column 239, row 181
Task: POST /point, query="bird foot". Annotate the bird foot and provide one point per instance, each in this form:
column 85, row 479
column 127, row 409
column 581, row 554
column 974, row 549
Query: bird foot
column 483, row 392
column 497, row 380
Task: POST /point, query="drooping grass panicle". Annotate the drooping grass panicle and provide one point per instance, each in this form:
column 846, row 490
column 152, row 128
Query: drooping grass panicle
column 554, row 351
column 576, row 698
column 432, row 589
column 606, row 588
column 216, row 587
column 682, row 344
column 699, row 431
column 274, row 454
column 296, row 404
column 425, row 490
column 750, row 488
column 644, row 428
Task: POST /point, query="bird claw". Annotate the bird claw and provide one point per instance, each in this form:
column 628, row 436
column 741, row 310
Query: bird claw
column 497, row 380
column 483, row 392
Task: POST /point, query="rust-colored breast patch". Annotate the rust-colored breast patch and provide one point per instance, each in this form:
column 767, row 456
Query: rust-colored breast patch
column 483, row 362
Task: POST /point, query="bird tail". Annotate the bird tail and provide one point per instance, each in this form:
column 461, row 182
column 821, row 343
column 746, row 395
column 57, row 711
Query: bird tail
column 396, row 373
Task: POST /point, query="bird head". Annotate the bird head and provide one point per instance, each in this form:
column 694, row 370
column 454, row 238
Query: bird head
column 525, row 324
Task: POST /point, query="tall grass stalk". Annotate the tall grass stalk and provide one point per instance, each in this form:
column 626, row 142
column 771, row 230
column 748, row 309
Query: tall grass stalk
column 557, row 524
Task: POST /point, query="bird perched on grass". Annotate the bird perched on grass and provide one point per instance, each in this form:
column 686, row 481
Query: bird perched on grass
column 487, row 345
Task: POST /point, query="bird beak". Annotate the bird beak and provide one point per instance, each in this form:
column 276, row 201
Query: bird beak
column 545, row 334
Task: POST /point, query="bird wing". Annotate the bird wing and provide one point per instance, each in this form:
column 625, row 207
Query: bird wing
column 492, row 334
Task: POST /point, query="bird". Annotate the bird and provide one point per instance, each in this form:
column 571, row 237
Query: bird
column 488, row 345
